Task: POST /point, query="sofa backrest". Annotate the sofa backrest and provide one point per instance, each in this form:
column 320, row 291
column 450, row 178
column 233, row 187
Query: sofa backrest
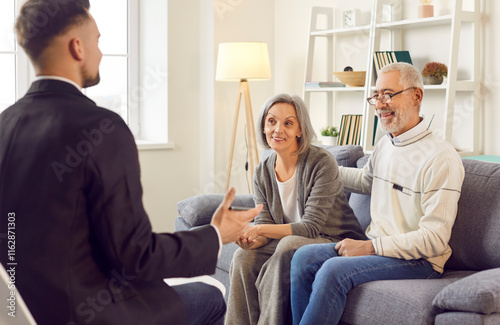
column 345, row 155
column 475, row 239
column 360, row 203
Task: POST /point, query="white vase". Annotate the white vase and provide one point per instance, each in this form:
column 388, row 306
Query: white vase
column 329, row 141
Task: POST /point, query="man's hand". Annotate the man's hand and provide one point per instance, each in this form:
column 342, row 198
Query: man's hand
column 352, row 247
column 231, row 223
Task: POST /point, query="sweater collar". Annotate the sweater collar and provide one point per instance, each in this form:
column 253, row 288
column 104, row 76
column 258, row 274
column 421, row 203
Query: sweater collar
column 271, row 161
column 412, row 135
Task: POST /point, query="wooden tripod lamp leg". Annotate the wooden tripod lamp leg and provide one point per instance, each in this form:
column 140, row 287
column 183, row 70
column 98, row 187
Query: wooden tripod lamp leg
column 252, row 142
column 235, row 125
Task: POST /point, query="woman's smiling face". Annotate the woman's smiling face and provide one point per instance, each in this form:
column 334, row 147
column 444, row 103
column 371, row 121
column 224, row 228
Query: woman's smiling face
column 282, row 128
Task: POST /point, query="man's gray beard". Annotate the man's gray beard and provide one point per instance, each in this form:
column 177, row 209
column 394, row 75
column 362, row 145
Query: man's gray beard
column 399, row 122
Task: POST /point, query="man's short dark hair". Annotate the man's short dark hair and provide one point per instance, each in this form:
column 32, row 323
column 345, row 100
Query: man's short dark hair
column 40, row 21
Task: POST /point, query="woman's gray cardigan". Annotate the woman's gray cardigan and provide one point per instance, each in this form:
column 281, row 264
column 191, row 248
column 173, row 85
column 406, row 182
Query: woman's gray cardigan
column 322, row 203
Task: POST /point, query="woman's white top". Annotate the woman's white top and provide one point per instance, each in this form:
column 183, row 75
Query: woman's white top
column 288, row 195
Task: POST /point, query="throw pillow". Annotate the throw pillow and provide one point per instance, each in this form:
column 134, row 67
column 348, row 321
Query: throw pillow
column 477, row 293
column 198, row 210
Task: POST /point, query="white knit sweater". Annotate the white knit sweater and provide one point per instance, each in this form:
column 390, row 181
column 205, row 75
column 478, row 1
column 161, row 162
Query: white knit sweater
column 415, row 181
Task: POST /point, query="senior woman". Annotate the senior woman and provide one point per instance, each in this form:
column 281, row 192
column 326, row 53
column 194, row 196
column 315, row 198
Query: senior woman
column 304, row 203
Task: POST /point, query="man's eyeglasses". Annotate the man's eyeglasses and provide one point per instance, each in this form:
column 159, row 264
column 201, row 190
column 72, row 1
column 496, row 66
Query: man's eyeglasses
column 385, row 98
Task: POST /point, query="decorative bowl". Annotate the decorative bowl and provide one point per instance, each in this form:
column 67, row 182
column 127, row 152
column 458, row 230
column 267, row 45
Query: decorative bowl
column 351, row 78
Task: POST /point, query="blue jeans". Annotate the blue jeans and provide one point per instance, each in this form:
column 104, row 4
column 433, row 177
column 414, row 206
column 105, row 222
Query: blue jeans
column 204, row 303
column 320, row 280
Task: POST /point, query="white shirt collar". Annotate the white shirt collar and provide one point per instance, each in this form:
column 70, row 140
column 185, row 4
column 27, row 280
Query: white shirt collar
column 412, row 133
column 60, row 79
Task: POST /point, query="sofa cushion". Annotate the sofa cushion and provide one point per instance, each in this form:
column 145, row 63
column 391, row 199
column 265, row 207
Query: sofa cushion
column 474, row 239
column 198, row 210
column 477, row 293
column 394, row 302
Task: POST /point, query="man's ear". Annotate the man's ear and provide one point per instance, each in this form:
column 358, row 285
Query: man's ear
column 76, row 49
column 419, row 95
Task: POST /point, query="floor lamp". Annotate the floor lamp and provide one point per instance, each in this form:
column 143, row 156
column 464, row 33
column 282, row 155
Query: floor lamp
column 243, row 61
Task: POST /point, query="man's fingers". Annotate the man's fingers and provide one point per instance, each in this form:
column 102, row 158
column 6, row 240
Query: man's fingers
column 228, row 198
column 249, row 215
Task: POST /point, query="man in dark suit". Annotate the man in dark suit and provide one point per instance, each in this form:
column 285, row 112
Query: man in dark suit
column 79, row 243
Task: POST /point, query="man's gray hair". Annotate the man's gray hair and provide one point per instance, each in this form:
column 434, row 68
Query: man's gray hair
column 308, row 134
column 410, row 76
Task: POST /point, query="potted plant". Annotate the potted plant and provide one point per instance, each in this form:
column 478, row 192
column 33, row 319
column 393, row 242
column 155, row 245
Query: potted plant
column 329, row 136
column 434, row 73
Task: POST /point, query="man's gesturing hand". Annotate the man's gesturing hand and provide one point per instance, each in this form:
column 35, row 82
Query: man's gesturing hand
column 231, row 223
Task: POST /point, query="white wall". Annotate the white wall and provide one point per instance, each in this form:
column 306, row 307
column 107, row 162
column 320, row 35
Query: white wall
column 491, row 76
column 171, row 175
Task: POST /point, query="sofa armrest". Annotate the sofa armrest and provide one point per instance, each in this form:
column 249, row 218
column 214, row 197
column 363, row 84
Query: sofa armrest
column 198, row 210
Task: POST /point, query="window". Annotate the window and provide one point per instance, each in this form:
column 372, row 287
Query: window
column 8, row 55
column 118, row 45
column 126, row 85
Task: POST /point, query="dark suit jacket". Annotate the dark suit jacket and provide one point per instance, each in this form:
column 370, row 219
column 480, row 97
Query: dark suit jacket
column 70, row 187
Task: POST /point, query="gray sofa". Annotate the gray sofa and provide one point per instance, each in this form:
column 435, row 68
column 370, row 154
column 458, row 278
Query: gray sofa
column 468, row 291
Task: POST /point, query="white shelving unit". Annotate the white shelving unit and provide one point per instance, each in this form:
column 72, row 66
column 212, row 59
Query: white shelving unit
column 395, row 28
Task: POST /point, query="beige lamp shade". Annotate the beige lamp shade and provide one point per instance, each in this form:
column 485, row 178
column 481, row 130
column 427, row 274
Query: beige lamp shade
column 243, row 60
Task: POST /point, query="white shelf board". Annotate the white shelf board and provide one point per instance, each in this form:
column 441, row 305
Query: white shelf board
column 434, row 87
column 426, row 87
column 341, row 31
column 462, row 85
column 335, row 89
column 419, row 22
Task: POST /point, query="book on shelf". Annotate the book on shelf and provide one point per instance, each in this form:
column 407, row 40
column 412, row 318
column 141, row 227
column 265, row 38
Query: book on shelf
column 344, row 129
column 323, row 84
column 375, row 125
column 350, row 129
column 382, row 58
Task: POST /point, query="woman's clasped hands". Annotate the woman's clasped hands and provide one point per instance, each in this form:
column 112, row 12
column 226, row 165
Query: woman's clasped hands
column 251, row 238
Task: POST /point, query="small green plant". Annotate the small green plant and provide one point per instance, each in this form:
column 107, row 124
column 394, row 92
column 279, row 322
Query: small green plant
column 330, row 131
column 435, row 69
